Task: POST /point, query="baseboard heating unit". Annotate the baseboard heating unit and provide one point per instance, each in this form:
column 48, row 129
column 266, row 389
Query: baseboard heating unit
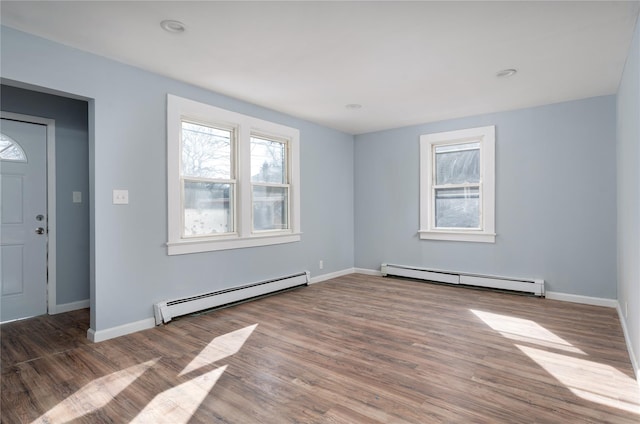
column 165, row 311
column 533, row 286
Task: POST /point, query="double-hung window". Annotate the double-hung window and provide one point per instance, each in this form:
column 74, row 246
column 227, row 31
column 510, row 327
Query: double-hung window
column 207, row 180
column 457, row 185
column 269, row 184
column 233, row 180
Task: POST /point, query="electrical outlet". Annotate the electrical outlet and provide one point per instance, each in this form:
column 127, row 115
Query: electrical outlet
column 120, row 197
column 321, row 264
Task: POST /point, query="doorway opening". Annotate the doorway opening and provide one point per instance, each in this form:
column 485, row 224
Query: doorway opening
column 68, row 195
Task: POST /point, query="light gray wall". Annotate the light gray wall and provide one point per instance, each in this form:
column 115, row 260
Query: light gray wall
column 628, row 125
column 555, row 198
column 72, row 174
column 127, row 150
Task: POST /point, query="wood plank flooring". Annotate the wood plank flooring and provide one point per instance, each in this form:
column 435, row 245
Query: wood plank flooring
column 356, row 349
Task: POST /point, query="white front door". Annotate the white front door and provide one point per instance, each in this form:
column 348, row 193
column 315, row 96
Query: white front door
column 23, row 236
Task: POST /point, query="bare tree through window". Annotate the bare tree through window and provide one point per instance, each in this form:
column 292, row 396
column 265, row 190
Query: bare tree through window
column 207, row 171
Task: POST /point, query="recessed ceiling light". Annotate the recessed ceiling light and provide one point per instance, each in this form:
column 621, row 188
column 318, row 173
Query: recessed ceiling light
column 172, row 26
column 506, row 73
column 353, row 106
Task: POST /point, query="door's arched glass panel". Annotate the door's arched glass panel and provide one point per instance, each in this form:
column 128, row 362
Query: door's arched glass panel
column 11, row 150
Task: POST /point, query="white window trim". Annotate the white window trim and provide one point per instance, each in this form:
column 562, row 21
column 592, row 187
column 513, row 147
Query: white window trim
column 486, row 137
column 179, row 108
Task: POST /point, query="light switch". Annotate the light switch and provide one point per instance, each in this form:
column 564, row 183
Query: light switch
column 120, row 197
column 77, row 197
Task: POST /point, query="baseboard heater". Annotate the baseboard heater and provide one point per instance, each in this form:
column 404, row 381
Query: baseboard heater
column 534, row 286
column 165, row 311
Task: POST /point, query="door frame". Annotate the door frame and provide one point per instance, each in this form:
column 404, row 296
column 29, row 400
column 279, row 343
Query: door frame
column 51, row 200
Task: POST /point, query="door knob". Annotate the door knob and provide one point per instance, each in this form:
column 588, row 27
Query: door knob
column 39, row 230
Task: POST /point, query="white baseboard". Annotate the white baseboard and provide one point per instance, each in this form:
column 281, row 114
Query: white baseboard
column 145, row 324
column 627, row 339
column 576, row 298
column 71, row 306
column 566, row 297
column 368, row 271
column 121, row 330
column 329, row 276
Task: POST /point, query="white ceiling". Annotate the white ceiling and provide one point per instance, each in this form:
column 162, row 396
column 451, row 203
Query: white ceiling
column 404, row 62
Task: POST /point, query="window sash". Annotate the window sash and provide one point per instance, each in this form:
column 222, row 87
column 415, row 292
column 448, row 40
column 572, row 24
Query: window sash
column 287, row 208
column 464, row 168
column 215, row 126
column 285, row 159
column 233, row 201
column 434, row 214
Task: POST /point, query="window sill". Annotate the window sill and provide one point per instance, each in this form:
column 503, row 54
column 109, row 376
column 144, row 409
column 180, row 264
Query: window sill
column 478, row 237
column 210, row 245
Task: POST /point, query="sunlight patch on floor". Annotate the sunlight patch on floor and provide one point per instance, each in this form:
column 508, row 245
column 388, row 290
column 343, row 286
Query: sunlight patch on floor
column 94, row 395
column 525, row 330
column 178, row 404
column 174, row 405
column 589, row 380
column 220, row 348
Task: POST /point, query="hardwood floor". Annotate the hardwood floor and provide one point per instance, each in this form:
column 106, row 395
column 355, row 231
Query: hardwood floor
column 356, row 349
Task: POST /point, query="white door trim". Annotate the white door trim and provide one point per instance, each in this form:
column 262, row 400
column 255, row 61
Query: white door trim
column 51, row 200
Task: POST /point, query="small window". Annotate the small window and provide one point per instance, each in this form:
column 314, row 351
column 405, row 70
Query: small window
column 10, row 150
column 233, row 180
column 458, row 185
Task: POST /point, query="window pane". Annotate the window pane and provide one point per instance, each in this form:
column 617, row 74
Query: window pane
column 208, row 208
column 270, row 208
column 206, row 151
column 458, row 163
column 268, row 161
column 458, row 208
column 10, row 150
